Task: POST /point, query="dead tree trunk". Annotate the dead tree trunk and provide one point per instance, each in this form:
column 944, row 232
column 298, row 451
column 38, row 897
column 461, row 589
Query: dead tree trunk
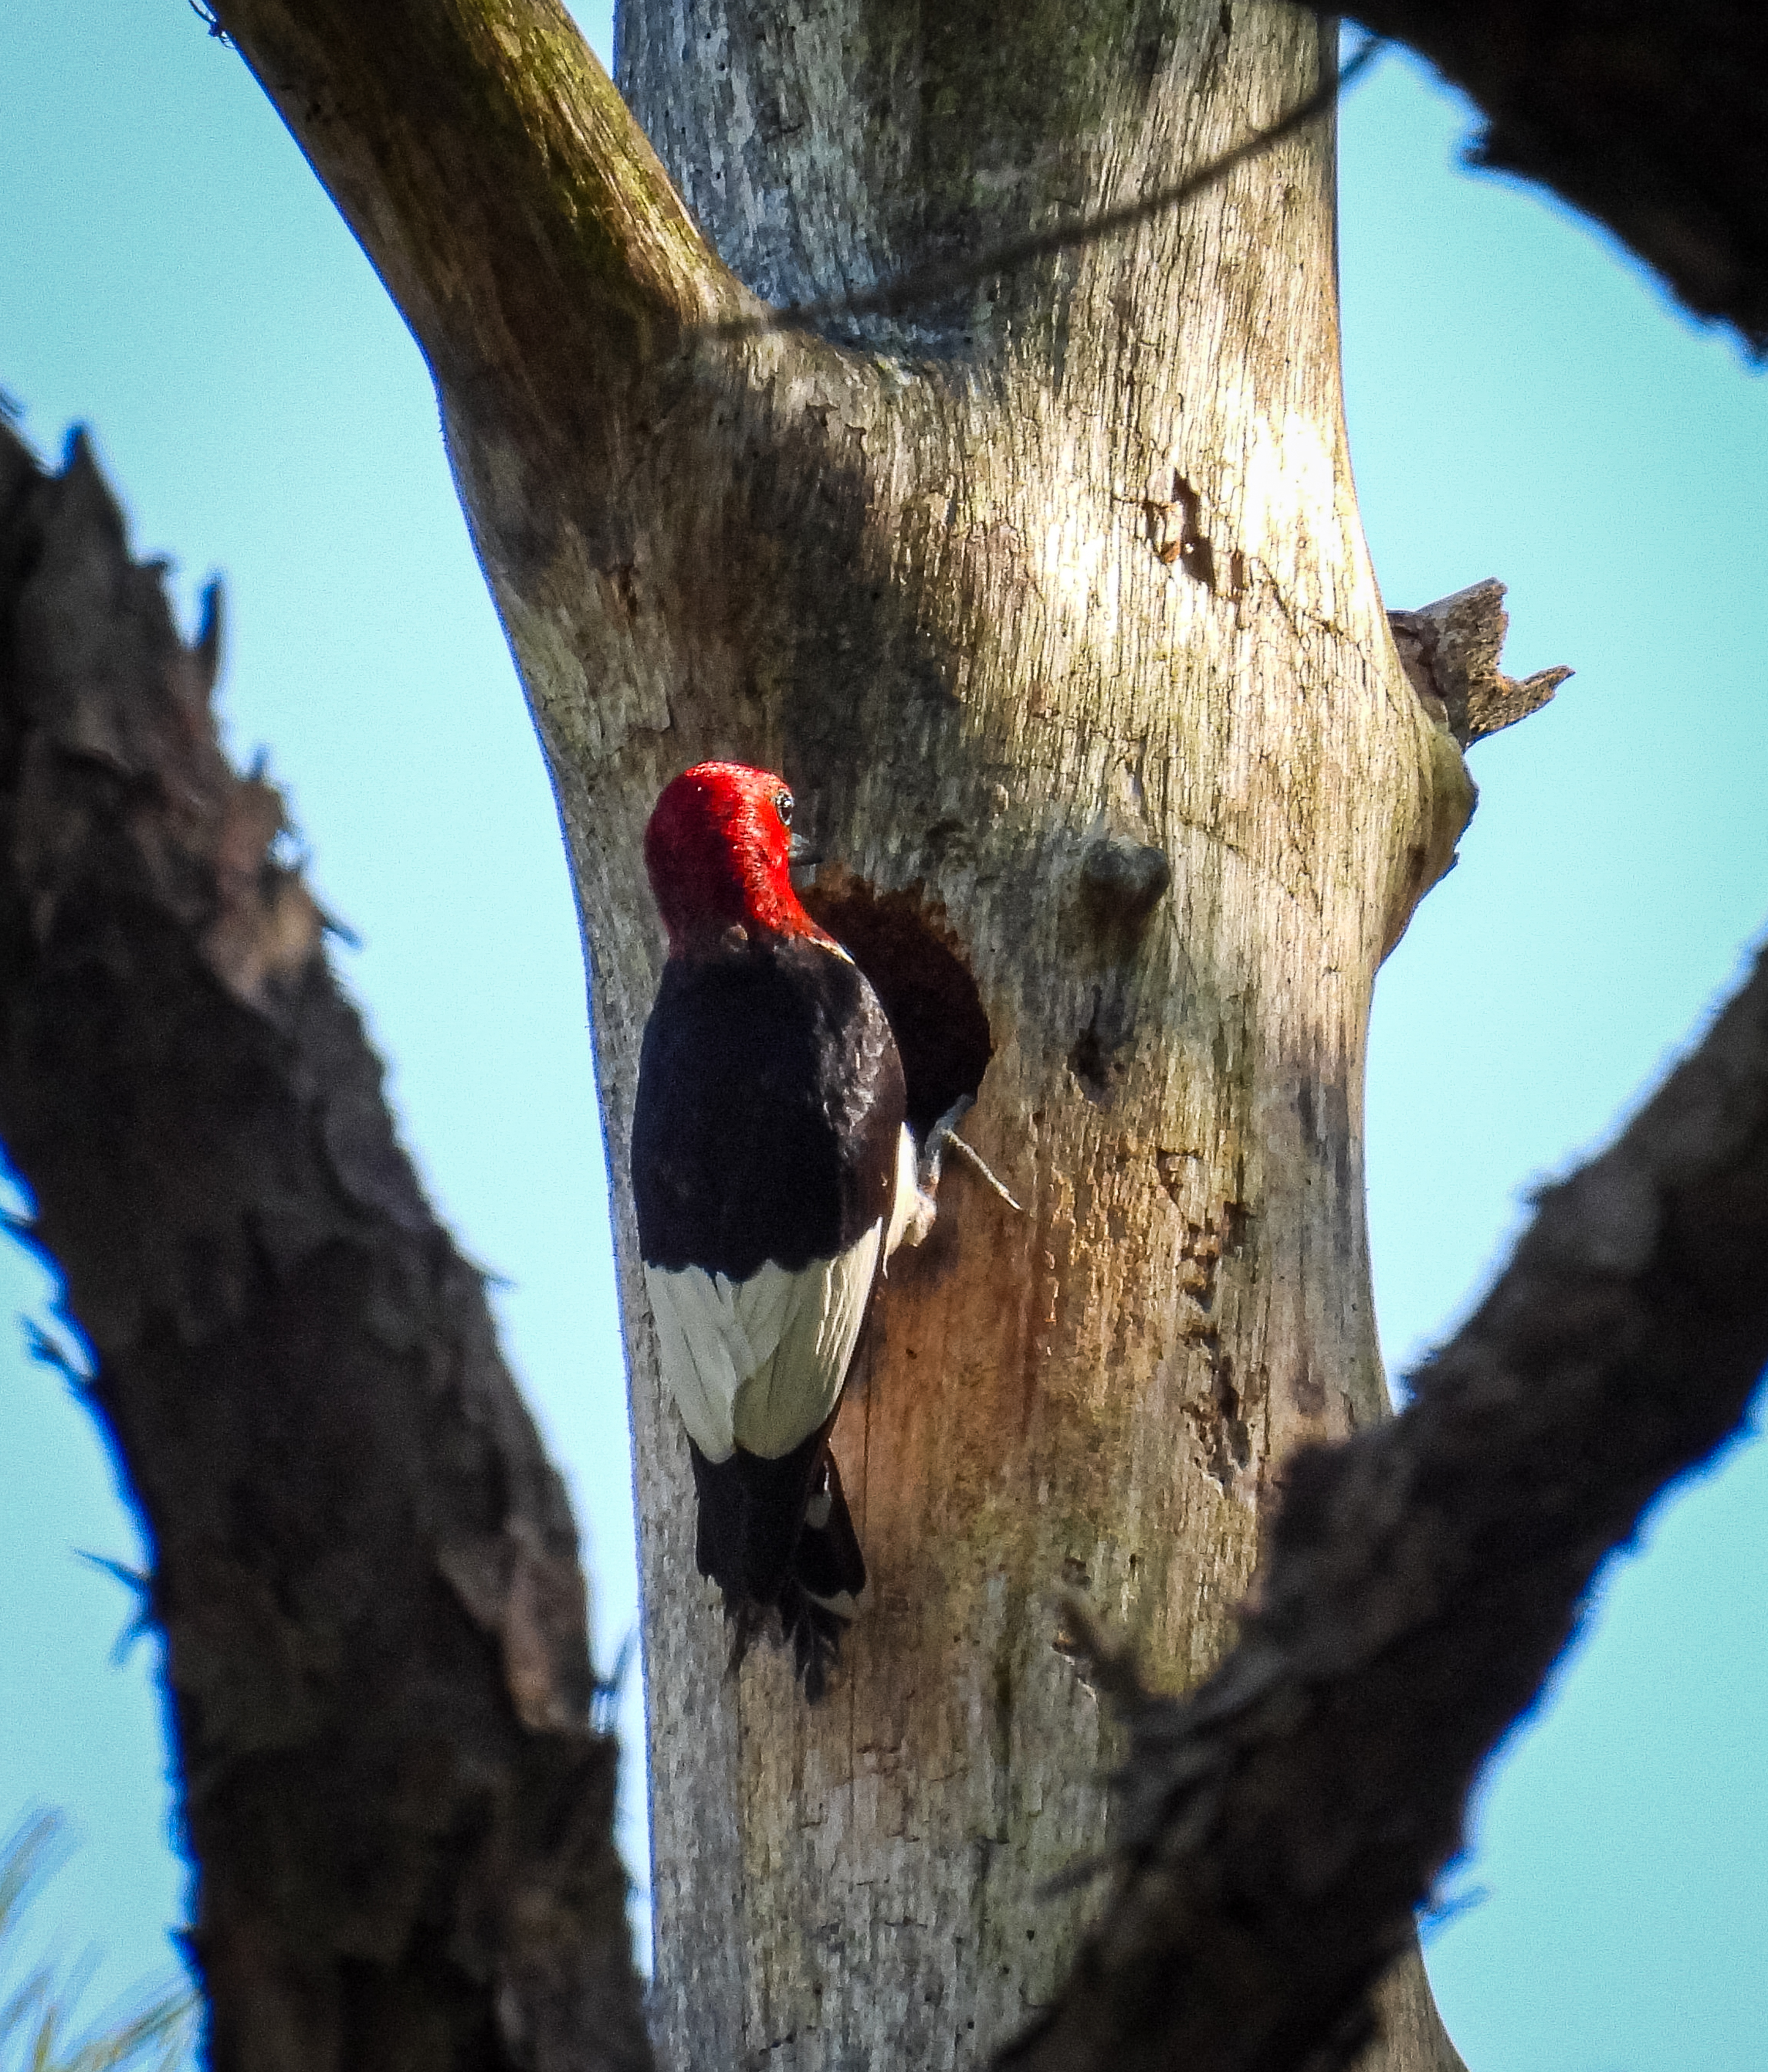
column 1050, row 599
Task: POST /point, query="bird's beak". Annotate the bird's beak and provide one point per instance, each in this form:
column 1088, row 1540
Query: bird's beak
column 802, row 854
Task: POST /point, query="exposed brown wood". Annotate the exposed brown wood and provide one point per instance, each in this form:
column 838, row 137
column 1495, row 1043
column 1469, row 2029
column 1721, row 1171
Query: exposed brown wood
column 363, row 1564
column 1282, row 1822
column 1450, row 651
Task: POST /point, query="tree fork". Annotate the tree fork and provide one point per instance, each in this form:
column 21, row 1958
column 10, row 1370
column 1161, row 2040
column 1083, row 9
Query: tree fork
column 1059, row 574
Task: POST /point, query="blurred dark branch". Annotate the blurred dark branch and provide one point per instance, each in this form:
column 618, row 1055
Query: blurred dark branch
column 364, row 1566
column 1280, row 1824
column 1652, row 119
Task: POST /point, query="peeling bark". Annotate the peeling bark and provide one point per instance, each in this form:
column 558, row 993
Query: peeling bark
column 363, row 1564
column 1282, row 1822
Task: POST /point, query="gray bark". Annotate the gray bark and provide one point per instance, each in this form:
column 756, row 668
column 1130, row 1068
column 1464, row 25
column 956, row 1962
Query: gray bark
column 1108, row 495
column 1283, row 1821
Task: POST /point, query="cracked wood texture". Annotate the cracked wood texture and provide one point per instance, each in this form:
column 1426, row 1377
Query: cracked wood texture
column 1051, row 602
column 363, row 1564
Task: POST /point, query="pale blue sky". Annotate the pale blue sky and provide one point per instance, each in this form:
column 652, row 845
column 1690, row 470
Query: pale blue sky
column 1523, row 404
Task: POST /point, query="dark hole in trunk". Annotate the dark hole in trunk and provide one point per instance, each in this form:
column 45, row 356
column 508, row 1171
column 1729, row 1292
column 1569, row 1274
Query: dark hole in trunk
column 904, row 946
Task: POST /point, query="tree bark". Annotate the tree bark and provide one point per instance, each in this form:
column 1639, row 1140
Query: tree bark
column 363, row 1564
column 1051, row 602
column 1086, row 590
column 1163, row 635
column 1284, row 1820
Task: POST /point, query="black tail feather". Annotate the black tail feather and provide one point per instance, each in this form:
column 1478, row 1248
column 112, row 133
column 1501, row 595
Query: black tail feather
column 814, row 1633
column 826, row 1561
column 777, row 1537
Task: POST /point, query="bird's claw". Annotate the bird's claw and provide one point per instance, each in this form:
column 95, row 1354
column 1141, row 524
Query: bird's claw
column 943, row 1133
column 943, row 1137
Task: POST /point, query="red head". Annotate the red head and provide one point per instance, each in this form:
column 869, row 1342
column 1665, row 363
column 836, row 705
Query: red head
column 719, row 850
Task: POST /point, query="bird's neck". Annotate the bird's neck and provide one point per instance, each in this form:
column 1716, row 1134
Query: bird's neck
column 747, row 911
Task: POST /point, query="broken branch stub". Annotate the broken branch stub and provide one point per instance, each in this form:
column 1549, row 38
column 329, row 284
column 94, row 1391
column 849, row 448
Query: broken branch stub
column 1450, row 650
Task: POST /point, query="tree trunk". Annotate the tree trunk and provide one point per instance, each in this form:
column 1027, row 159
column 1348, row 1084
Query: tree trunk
column 1281, row 1822
column 1078, row 657
column 1051, row 600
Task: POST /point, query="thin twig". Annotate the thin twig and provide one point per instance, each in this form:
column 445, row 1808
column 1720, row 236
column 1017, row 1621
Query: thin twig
column 973, row 1158
column 920, row 284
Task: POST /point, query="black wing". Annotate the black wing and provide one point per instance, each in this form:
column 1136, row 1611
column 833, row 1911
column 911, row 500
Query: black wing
column 770, row 1101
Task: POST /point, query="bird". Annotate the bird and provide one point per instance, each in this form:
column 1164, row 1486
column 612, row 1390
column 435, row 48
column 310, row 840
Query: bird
column 774, row 1174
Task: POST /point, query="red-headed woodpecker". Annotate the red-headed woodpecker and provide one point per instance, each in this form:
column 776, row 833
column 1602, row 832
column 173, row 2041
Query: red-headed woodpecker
column 774, row 1174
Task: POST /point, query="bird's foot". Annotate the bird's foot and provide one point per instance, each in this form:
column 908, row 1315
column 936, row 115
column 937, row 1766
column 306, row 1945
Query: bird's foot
column 943, row 1137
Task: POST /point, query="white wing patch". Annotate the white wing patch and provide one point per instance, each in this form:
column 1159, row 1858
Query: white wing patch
column 760, row 1363
column 910, row 1213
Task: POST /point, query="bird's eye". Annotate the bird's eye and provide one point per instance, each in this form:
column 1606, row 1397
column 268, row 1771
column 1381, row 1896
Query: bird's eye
column 782, row 805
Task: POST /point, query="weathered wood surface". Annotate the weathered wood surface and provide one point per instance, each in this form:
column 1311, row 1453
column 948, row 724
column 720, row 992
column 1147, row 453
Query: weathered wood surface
column 1283, row 1820
column 1095, row 586
column 1036, row 598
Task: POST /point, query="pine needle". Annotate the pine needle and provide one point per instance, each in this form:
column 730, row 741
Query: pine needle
column 152, row 2029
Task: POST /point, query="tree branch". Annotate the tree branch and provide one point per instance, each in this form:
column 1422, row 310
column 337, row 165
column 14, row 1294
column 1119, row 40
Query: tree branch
column 1280, row 1823
column 364, row 1565
column 515, row 211
column 1450, row 651
column 1652, row 119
